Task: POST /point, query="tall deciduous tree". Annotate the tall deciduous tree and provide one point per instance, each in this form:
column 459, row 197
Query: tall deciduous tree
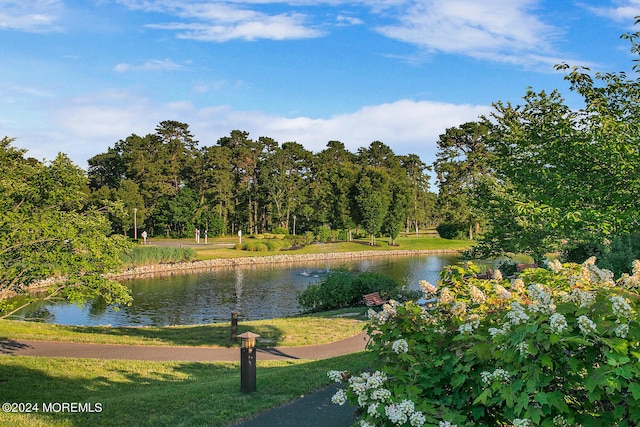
column 46, row 231
column 372, row 199
column 565, row 175
column 461, row 161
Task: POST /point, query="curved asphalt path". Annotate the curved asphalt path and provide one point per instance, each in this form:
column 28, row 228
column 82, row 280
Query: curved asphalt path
column 176, row 353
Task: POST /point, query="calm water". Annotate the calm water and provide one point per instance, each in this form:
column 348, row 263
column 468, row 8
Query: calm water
column 259, row 292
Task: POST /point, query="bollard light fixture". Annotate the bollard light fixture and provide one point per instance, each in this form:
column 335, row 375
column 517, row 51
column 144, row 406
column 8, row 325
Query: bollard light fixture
column 248, row 339
column 248, row 362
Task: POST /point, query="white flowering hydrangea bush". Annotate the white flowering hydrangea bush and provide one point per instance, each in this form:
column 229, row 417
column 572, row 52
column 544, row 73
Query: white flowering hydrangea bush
column 556, row 347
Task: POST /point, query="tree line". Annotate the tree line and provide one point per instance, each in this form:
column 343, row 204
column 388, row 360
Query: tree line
column 257, row 185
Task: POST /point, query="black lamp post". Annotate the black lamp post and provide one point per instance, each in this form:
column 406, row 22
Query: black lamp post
column 248, row 362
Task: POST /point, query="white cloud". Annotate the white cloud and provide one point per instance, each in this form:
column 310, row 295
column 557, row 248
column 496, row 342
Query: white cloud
column 223, row 21
column 621, row 10
column 152, row 65
column 87, row 126
column 30, row 16
column 500, row 30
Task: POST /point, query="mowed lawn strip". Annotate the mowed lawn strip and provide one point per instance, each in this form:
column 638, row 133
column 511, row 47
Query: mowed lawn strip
column 281, row 332
column 145, row 393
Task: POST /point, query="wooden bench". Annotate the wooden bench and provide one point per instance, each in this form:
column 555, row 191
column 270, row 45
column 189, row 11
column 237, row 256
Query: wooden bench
column 374, row 299
column 523, row 267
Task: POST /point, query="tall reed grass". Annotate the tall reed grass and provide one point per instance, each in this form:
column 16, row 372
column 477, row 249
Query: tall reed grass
column 146, row 255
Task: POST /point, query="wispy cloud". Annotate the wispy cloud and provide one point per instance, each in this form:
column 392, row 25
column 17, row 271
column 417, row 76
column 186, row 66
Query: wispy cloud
column 498, row 30
column 619, row 10
column 224, row 21
column 152, row 65
column 30, row 16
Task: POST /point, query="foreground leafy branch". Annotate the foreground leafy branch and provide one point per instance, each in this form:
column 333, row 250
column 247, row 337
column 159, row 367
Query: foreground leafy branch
column 556, row 347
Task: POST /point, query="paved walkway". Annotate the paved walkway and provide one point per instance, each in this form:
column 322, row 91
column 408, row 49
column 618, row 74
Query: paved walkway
column 313, row 410
column 176, row 353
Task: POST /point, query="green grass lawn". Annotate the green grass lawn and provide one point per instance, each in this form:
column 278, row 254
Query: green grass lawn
column 145, row 393
column 292, row 331
column 421, row 242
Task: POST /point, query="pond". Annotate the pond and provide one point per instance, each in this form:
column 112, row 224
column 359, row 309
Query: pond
column 209, row 296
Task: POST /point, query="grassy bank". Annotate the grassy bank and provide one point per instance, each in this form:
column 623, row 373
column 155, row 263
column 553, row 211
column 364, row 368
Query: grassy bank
column 216, row 250
column 318, row 328
column 168, row 393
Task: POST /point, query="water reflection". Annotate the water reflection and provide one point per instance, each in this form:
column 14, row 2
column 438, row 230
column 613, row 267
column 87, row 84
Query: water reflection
column 258, row 292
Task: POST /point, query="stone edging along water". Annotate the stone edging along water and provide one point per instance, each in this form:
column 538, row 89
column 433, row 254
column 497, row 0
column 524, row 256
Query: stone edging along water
column 186, row 267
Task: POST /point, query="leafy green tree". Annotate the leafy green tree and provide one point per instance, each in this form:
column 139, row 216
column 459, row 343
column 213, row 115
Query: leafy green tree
column 213, row 182
column 372, row 199
column 46, row 231
column 332, row 188
column 285, row 174
column 565, row 176
column 418, row 185
column 461, row 161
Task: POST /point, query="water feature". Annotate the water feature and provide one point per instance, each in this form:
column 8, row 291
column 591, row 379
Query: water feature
column 257, row 292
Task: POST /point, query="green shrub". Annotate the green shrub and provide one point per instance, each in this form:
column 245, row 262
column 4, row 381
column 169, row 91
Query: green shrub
column 280, row 231
column 343, row 289
column 368, row 282
column 274, row 245
column 581, row 251
column 452, row 230
column 334, row 291
column 556, row 347
column 255, row 247
column 508, row 268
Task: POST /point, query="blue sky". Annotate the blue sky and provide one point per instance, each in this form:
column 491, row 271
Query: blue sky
column 77, row 76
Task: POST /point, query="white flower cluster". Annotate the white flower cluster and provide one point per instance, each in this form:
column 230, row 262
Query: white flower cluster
column 516, row 315
column 632, row 281
column 336, row 376
column 472, row 323
column 446, row 424
column 590, row 273
column 364, row 423
column 368, row 387
column 498, row 375
column 459, row 309
column 428, row 288
column 523, row 348
column 400, row 413
column 502, row 292
column 388, row 311
column 557, row 323
column 400, row 346
column 621, row 307
column 560, row 421
column 446, row 297
column 522, row 422
column 340, row 398
column 542, row 301
column 622, row 330
column 584, row 299
column 517, row 285
column 555, row 266
column 506, row 327
column 586, row 325
column 477, row 296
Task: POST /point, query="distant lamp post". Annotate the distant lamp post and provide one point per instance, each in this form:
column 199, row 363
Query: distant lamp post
column 240, row 236
column 135, row 223
column 294, row 225
column 234, row 325
column 248, row 362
